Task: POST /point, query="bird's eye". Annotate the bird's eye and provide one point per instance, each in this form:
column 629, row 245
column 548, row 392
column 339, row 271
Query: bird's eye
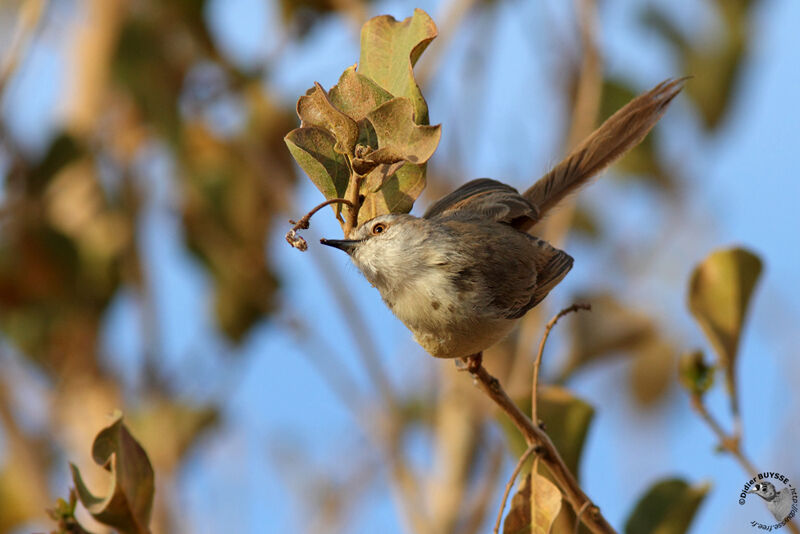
column 378, row 228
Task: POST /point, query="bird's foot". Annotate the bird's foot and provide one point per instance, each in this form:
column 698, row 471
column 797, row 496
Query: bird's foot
column 470, row 363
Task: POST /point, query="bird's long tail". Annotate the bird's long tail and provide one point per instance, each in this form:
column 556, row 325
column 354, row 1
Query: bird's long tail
column 618, row 134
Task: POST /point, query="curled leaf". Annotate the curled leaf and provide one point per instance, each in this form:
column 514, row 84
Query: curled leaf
column 315, row 109
column 389, row 51
column 720, row 289
column 128, row 504
column 399, row 137
column 356, row 95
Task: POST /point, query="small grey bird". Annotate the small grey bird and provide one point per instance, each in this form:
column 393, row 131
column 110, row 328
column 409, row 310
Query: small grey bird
column 778, row 502
column 462, row 274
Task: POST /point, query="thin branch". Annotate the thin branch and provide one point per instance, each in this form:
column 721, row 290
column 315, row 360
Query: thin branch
column 578, row 517
column 727, row 442
column 303, row 224
column 534, row 448
column 534, row 435
column 730, row 443
column 538, row 361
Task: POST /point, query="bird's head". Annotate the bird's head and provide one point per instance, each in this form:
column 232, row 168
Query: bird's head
column 765, row 490
column 385, row 248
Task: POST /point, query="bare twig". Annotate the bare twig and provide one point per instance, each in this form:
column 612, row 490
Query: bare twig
column 522, row 459
column 730, row 443
column 534, row 435
column 297, row 241
column 538, row 361
column 578, row 517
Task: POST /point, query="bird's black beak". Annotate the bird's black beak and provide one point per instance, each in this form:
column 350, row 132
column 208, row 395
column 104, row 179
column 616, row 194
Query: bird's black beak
column 342, row 244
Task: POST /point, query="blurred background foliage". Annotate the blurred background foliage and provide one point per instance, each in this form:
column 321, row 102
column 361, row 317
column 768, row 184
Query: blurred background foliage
column 157, row 126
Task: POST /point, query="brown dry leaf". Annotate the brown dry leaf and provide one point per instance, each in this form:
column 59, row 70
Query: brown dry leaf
column 534, row 507
column 128, row 504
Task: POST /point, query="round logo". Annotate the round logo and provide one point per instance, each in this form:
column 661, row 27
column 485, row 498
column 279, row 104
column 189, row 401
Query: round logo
column 774, row 490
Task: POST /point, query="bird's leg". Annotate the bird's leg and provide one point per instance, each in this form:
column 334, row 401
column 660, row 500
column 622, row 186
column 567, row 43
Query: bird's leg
column 474, row 362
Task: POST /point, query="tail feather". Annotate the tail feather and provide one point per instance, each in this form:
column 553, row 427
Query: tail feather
column 618, row 134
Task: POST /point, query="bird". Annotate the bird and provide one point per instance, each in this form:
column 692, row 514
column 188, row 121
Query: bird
column 460, row 276
column 779, row 503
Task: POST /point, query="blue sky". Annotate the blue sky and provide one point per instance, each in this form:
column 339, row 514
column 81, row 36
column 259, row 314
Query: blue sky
column 740, row 186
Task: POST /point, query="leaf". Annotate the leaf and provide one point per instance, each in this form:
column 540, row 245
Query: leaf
column 651, row 370
column 128, row 505
column 397, row 193
column 356, row 95
column 566, row 419
column 399, row 137
column 313, row 149
column 389, row 51
column 668, row 507
column 720, row 289
column 612, row 328
column 314, row 109
column 534, row 507
column 694, row 373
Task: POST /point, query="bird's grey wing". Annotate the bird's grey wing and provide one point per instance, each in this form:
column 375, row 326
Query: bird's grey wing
column 552, row 265
column 509, row 271
column 488, row 199
column 782, row 504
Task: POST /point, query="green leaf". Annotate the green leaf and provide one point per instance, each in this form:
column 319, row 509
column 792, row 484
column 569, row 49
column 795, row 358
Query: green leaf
column 668, row 507
column 720, row 289
column 389, row 51
column 128, row 504
column 694, row 373
column 397, row 193
column 313, row 149
column 314, row 109
column 356, row 95
column 566, row 419
column 399, row 137
column 534, row 507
